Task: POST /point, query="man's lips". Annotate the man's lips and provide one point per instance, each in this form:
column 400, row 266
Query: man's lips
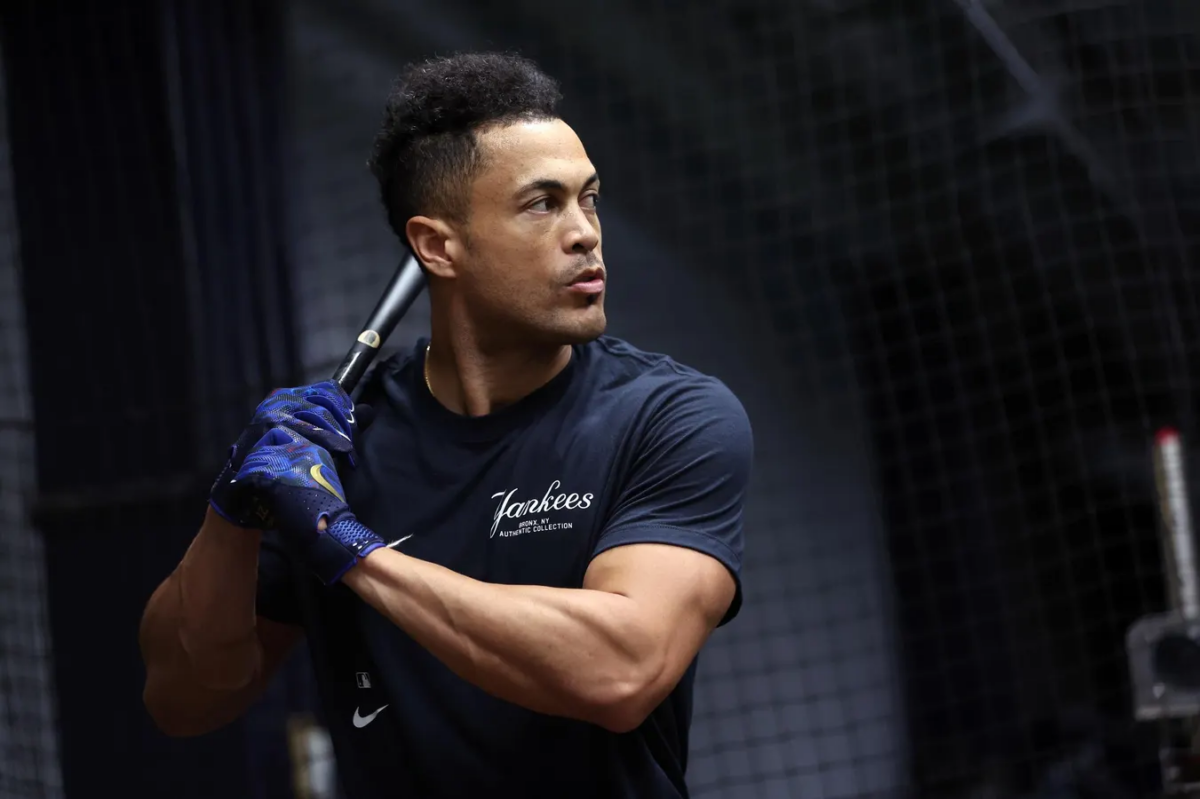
column 593, row 286
column 589, row 281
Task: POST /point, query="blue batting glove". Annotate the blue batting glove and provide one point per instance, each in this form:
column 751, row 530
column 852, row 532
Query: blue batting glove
column 323, row 413
column 300, row 486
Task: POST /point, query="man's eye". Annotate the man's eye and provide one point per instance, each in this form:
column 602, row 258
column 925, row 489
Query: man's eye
column 541, row 205
column 590, row 201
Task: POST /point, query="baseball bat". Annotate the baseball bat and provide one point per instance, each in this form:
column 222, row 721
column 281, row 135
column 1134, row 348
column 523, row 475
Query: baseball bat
column 1179, row 553
column 397, row 298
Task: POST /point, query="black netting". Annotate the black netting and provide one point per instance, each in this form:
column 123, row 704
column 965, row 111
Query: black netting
column 28, row 750
column 942, row 252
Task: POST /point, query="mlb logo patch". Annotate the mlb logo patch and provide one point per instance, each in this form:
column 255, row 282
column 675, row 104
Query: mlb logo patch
column 363, row 679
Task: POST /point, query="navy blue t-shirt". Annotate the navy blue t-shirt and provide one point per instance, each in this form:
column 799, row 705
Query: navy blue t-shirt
column 621, row 447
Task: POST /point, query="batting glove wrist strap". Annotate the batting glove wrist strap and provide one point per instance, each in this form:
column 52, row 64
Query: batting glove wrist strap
column 340, row 547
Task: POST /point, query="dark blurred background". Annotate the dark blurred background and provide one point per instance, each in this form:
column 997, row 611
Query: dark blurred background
column 942, row 251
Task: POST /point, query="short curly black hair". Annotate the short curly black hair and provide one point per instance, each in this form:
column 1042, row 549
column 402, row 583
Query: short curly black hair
column 426, row 153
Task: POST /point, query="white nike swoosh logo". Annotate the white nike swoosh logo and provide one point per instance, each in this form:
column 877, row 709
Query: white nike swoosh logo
column 362, row 721
column 399, row 541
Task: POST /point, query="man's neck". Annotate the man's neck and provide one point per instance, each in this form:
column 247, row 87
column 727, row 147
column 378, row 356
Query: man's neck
column 470, row 381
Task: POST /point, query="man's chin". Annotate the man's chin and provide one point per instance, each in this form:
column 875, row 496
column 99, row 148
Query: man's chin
column 590, row 328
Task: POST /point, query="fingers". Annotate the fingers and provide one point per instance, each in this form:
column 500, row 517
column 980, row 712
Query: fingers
column 280, row 449
column 270, row 453
column 331, row 396
column 322, row 413
column 322, row 426
column 274, row 437
column 363, row 416
column 330, row 388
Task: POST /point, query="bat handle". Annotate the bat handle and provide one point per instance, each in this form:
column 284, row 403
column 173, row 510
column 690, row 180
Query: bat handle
column 357, row 361
column 401, row 292
column 1178, row 544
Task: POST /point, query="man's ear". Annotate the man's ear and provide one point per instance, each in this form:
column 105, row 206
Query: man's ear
column 429, row 239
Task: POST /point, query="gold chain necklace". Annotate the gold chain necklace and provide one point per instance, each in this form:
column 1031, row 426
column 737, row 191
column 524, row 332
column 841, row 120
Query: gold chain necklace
column 429, row 387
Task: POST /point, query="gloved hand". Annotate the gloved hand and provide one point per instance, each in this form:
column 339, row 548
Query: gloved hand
column 300, row 486
column 323, row 413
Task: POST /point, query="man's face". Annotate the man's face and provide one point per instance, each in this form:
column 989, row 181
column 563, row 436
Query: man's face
column 531, row 266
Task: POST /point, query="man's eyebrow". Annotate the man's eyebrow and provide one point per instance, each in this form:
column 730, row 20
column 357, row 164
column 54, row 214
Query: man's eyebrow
column 549, row 184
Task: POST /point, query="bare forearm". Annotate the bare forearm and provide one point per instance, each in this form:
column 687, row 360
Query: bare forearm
column 187, row 695
column 567, row 652
column 217, row 580
column 198, row 634
column 207, row 605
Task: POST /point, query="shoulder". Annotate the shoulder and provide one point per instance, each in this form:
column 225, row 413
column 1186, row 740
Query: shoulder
column 657, row 381
column 665, row 394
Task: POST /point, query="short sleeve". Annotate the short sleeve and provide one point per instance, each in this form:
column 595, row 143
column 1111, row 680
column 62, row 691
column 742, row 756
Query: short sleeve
column 687, row 478
column 275, row 598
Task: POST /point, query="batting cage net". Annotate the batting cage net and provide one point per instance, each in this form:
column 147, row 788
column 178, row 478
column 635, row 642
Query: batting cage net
column 940, row 250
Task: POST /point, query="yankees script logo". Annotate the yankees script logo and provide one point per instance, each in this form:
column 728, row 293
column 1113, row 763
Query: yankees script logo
column 512, row 508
